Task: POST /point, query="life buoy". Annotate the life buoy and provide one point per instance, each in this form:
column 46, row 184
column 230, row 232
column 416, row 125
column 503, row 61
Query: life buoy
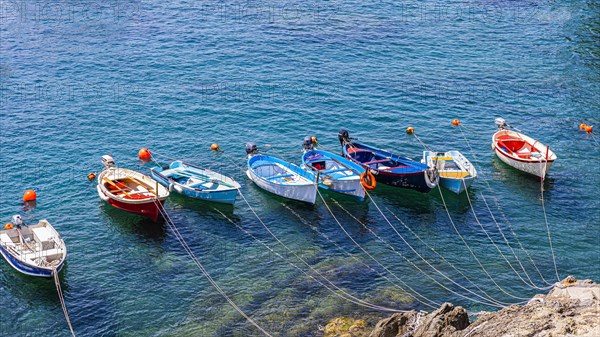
column 367, row 179
column 9, row 226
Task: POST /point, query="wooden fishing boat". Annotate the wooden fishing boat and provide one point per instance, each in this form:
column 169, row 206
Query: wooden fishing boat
column 456, row 172
column 520, row 151
column 36, row 250
column 196, row 182
column 333, row 172
column 389, row 168
column 280, row 177
column 130, row 191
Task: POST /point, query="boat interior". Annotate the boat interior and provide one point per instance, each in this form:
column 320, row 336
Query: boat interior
column 329, row 167
column 129, row 188
column 277, row 173
column 193, row 179
column 36, row 245
column 518, row 147
column 379, row 161
column 449, row 168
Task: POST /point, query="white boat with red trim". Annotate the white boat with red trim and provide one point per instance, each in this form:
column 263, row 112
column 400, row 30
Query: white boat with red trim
column 130, row 191
column 521, row 151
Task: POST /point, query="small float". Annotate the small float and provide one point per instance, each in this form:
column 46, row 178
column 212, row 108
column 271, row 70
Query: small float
column 280, row 177
column 130, row 191
column 520, row 151
column 36, row 250
column 455, row 170
column 333, row 172
column 196, row 182
column 389, row 168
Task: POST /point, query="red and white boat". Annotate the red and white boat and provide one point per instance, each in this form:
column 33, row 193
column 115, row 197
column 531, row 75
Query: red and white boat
column 130, row 191
column 520, row 151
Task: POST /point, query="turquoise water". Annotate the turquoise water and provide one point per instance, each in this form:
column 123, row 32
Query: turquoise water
column 83, row 79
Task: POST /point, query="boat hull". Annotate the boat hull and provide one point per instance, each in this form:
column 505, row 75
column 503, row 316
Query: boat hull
column 339, row 181
column 306, row 193
column 148, row 209
column 225, row 197
column 456, row 185
column 410, row 175
column 539, row 168
column 26, row 268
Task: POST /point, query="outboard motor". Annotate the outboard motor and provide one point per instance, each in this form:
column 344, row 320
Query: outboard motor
column 17, row 220
column 108, row 161
column 343, row 136
column 307, row 144
column 251, row 149
column 501, row 123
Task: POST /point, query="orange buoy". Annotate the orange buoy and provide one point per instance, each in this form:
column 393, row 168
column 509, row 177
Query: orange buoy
column 215, row 147
column 589, row 128
column 313, row 139
column 91, row 176
column 29, row 195
column 144, row 154
column 410, row 130
column 582, row 126
column 455, row 122
column 9, row 226
column 367, row 179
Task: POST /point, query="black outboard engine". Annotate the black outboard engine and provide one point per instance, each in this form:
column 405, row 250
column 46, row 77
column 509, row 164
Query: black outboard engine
column 343, row 136
column 307, row 144
column 251, row 149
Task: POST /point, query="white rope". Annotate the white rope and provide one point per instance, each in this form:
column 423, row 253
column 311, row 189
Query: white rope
column 530, row 284
column 435, row 304
column 546, row 220
column 202, row 269
column 486, row 301
column 504, row 217
column 350, row 298
column 467, row 245
column 62, row 299
column 342, row 249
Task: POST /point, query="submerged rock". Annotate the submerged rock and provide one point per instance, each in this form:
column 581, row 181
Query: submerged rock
column 571, row 308
column 346, row 327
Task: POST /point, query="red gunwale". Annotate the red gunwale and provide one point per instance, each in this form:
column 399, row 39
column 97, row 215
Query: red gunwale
column 499, row 150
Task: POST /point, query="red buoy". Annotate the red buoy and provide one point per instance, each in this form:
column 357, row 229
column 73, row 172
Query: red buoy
column 29, row 195
column 215, row 147
column 589, row 128
column 455, row 122
column 144, row 154
column 410, row 130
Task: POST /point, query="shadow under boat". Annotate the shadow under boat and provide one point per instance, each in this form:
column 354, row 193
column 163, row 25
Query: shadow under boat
column 135, row 224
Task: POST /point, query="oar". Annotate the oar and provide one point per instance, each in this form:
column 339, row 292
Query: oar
column 115, row 185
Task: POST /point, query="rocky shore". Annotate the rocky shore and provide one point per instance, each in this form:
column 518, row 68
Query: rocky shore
column 571, row 308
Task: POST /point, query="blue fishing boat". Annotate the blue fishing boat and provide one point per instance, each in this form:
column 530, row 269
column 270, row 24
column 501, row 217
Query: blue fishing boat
column 196, row 182
column 389, row 168
column 455, row 170
column 36, row 250
column 280, row 177
column 334, row 173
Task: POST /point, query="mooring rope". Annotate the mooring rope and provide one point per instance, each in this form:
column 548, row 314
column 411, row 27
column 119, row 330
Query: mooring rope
column 465, row 242
column 377, row 261
column 62, row 299
column 350, row 298
column 546, row 220
column 486, row 301
column 530, row 284
column 185, row 246
column 343, row 250
column 438, row 254
column 364, row 303
column 506, row 221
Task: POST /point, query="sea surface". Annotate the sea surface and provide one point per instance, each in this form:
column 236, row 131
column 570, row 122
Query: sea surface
column 80, row 79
